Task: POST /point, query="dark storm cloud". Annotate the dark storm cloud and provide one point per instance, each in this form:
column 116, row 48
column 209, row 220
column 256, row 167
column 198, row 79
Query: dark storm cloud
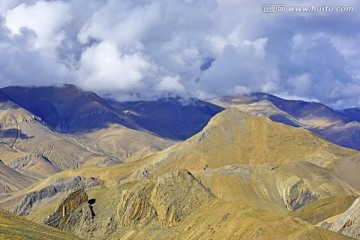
column 155, row 48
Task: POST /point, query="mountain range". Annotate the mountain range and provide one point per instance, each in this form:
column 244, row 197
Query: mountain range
column 341, row 127
column 248, row 167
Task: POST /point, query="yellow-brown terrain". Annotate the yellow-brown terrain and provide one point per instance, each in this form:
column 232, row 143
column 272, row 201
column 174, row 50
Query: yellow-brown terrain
column 29, row 146
column 244, row 175
column 348, row 168
column 11, row 180
column 16, row 228
column 121, row 143
column 341, row 127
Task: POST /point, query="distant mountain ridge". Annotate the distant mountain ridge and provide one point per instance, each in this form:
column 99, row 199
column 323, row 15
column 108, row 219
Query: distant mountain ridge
column 341, row 127
column 173, row 118
column 45, row 130
column 69, row 109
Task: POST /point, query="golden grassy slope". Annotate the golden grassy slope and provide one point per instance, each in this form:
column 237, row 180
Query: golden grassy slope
column 233, row 137
column 267, row 108
column 264, row 107
column 323, row 209
column 122, row 143
column 15, row 228
column 110, row 175
column 349, row 170
column 277, row 188
column 209, row 219
column 221, row 220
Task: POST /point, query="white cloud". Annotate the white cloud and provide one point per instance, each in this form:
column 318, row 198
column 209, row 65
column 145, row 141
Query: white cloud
column 5, row 5
column 104, row 68
column 205, row 48
column 127, row 25
column 171, row 84
column 46, row 19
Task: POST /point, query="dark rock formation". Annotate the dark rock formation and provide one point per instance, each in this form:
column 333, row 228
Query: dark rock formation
column 72, row 212
column 62, row 185
column 300, row 196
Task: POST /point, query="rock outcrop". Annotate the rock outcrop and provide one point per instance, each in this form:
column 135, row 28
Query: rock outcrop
column 62, row 185
column 348, row 223
column 74, row 211
column 166, row 200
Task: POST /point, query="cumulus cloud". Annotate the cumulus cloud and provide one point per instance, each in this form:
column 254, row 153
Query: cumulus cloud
column 206, row 49
column 46, row 19
column 171, row 85
column 102, row 65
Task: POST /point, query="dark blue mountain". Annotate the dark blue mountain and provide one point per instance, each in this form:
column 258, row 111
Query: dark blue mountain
column 173, row 118
column 69, row 109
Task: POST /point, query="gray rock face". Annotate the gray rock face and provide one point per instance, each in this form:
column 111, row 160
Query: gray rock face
column 26, row 161
column 167, row 200
column 35, row 165
column 11, row 180
column 300, row 196
column 62, row 185
column 348, row 223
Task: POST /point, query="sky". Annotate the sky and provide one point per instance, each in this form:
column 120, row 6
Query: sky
column 145, row 49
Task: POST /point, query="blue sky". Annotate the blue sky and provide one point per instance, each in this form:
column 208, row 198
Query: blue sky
column 145, row 49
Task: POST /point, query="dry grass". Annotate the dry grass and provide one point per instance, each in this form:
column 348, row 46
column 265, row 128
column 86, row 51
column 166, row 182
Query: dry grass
column 15, row 228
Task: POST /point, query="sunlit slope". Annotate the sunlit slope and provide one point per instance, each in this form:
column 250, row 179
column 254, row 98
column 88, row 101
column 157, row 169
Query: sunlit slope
column 255, row 161
column 323, row 209
column 11, row 180
column 174, row 205
column 349, row 170
column 15, row 228
column 279, row 188
column 121, row 143
column 233, row 137
column 24, row 132
column 341, row 127
column 186, row 210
